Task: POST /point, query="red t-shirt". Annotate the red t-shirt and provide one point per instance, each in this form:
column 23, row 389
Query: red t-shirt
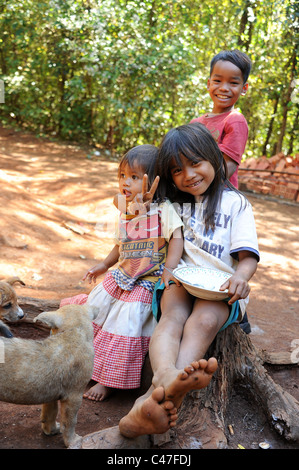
column 230, row 130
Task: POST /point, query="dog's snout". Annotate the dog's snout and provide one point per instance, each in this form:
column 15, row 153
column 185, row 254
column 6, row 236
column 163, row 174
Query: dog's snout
column 21, row 313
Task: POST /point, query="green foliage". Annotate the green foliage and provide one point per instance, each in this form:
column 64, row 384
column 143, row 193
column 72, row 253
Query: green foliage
column 122, row 72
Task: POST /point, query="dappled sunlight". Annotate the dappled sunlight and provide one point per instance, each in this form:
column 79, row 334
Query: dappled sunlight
column 274, row 302
column 58, row 220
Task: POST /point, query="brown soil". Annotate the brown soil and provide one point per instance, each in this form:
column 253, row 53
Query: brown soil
column 44, row 186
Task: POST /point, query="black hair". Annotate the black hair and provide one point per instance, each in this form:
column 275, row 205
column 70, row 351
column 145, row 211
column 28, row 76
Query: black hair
column 236, row 57
column 195, row 142
column 143, row 157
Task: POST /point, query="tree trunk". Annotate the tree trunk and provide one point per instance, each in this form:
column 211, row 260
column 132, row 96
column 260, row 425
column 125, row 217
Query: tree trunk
column 239, row 363
column 286, row 102
column 246, row 24
column 201, row 422
column 269, row 133
column 294, row 133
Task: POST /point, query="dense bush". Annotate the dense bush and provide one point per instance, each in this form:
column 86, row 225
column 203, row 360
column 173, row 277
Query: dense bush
column 116, row 73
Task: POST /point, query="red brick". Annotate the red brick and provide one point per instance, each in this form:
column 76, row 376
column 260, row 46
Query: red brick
column 293, row 186
column 280, row 165
column 252, row 164
column 273, row 160
column 262, row 164
column 294, row 170
column 290, row 193
column 246, row 163
column 289, row 161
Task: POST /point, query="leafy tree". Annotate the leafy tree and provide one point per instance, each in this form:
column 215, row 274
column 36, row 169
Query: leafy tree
column 121, row 72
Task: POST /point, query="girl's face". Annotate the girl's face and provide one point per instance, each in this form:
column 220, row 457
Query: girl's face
column 192, row 177
column 130, row 181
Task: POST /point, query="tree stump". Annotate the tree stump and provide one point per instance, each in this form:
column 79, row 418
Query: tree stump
column 240, row 363
column 201, row 420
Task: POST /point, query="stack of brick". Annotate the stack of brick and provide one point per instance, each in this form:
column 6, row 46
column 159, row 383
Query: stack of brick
column 276, row 176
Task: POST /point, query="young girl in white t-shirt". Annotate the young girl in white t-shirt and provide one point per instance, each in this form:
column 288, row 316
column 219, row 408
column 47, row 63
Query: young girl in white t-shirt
column 219, row 232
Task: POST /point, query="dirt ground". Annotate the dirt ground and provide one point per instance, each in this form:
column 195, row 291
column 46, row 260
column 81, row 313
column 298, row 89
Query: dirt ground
column 55, row 210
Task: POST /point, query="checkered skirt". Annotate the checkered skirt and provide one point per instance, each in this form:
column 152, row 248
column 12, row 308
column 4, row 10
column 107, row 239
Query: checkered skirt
column 122, row 332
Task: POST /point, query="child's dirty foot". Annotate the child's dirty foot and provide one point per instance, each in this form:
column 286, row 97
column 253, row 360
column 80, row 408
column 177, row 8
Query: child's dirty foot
column 194, row 377
column 98, row 392
column 149, row 415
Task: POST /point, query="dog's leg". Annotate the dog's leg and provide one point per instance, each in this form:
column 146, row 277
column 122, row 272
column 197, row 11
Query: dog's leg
column 48, row 418
column 68, row 419
column 5, row 330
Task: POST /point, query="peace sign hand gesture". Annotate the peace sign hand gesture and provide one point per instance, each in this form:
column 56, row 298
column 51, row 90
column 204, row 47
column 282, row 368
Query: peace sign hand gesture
column 142, row 201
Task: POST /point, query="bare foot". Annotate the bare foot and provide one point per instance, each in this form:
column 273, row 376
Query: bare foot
column 98, row 392
column 149, row 415
column 194, row 377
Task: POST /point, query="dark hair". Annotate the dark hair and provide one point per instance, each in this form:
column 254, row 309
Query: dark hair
column 195, row 142
column 236, row 57
column 142, row 156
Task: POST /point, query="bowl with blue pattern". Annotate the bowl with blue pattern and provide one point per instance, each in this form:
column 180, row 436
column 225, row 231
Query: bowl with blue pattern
column 203, row 282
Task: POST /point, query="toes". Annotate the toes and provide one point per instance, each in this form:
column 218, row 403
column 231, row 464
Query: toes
column 185, row 374
column 173, row 411
column 212, row 365
column 168, row 406
column 158, row 394
column 189, row 369
column 173, row 423
column 202, row 363
column 195, row 365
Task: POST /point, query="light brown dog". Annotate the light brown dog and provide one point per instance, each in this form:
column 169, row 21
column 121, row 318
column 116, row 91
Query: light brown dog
column 9, row 308
column 54, row 369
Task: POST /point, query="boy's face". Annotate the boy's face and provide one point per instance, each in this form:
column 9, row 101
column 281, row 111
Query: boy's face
column 225, row 85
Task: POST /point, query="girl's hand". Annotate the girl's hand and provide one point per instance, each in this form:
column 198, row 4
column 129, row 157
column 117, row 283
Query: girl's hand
column 237, row 284
column 142, row 201
column 148, row 195
column 238, row 288
column 94, row 272
column 167, row 277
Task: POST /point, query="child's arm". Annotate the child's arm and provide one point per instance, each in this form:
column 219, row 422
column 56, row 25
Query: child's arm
column 103, row 266
column 234, row 141
column 237, row 284
column 174, row 254
column 230, row 164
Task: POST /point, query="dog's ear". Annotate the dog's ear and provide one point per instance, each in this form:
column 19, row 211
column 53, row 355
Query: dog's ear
column 13, row 280
column 3, row 294
column 51, row 319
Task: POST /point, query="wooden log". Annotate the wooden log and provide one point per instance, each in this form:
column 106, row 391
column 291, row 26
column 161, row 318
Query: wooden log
column 202, row 413
column 201, row 422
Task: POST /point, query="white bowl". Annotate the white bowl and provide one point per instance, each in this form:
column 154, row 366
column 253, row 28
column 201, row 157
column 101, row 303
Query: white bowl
column 201, row 282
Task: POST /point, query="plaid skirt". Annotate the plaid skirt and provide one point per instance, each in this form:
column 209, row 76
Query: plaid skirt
column 122, row 332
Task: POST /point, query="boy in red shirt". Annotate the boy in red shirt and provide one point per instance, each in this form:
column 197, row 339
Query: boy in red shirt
column 229, row 71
